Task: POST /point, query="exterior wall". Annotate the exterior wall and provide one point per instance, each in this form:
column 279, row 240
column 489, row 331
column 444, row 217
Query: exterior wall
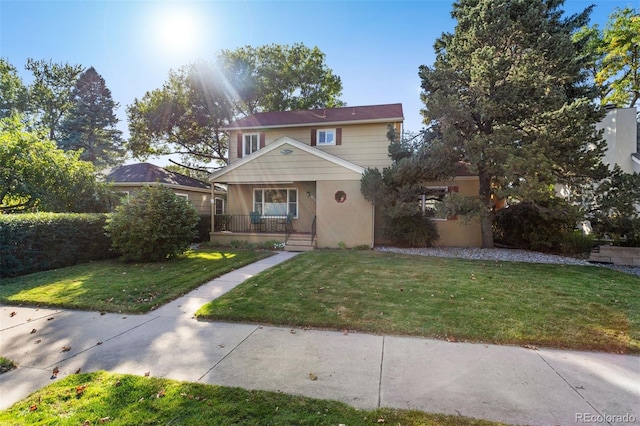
column 620, row 133
column 200, row 199
column 350, row 222
column 363, row 144
column 453, row 232
column 296, row 166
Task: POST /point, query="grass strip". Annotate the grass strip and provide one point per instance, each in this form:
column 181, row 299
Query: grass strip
column 115, row 286
column 117, row 399
column 569, row 307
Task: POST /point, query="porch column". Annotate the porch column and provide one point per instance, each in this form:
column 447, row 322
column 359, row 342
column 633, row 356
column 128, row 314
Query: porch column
column 213, row 210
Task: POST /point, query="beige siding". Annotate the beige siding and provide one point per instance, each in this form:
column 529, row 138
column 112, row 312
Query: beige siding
column 363, row 144
column 453, row 232
column 297, row 166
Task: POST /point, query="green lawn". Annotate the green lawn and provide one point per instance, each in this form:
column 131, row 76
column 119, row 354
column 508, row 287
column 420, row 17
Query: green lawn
column 114, row 286
column 116, row 399
column 576, row 307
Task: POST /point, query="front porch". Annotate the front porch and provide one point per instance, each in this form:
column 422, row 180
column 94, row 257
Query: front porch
column 253, row 229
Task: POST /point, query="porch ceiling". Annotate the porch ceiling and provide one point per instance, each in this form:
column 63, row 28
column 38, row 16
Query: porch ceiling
column 288, row 160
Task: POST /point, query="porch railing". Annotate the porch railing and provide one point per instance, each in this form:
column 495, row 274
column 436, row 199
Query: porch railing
column 248, row 223
column 313, row 230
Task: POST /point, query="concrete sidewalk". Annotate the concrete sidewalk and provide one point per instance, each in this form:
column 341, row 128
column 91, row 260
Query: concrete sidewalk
column 504, row 383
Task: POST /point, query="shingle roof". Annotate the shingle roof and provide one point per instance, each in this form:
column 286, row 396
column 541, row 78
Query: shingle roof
column 149, row 173
column 322, row 116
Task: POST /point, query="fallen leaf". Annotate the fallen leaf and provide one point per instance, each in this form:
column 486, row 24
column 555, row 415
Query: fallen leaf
column 381, row 420
column 33, row 331
column 49, row 319
column 532, row 347
column 98, row 344
column 345, row 332
column 34, row 407
column 221, row 346
column 292, row 331
column 105, row 420
column 313, row 376
column 147, row 373
column 160, row 393
column 55, row 372
column 38, row 341
column 110, row 300
column 78, row 370
column 13, row 314
column 66, row 349
column 86, row 423
column 80, row 389
column 118, row 382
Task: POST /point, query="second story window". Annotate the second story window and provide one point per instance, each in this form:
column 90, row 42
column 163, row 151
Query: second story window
column 251, row 143
column 326, row 137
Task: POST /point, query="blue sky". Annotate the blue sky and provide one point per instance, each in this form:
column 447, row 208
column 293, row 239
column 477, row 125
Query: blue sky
column 375, row 47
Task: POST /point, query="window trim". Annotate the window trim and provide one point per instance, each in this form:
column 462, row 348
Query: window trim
column 333, row 132
column 244, row 143
column 297, row 203
column 423, row 205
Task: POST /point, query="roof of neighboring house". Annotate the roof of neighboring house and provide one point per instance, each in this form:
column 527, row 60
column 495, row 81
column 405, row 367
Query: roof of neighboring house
column 149, row 173
column 322, row 116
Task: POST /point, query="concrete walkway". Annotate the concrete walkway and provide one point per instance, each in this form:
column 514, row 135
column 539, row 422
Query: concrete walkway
column 504, row 383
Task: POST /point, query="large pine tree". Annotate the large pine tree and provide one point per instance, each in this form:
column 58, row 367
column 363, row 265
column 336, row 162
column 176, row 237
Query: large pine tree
column 90, row 124
column 508, row 93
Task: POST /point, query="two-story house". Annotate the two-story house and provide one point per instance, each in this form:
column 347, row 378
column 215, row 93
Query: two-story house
column 295, row 176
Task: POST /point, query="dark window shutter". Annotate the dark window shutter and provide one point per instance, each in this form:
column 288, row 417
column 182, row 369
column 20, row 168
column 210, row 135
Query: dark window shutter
column 262, row 140
column 239, row 145
column 313, row 136
column 452, row 189
column 339, row 136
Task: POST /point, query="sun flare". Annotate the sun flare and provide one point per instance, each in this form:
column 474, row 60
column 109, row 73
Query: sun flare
column 177, row 29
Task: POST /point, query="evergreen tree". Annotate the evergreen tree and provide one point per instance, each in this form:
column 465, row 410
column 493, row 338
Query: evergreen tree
column 508, row 94
column 89, row 125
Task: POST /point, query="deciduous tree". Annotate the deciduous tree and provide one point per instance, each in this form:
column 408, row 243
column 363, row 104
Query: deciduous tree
column 13, row 92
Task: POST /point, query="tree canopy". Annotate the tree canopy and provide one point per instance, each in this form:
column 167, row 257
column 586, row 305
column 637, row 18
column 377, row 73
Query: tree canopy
column 187, row 114
column 36, row 175
column 89, row 125
column 13, row 92
column 509, row 96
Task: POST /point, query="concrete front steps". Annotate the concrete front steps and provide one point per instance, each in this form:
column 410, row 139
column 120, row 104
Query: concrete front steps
column 300, row 242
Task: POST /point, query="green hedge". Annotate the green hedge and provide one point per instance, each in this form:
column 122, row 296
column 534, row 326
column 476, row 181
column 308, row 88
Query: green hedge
column 41, row 241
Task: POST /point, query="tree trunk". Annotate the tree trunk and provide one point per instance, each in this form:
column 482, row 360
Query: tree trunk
column 486, row 215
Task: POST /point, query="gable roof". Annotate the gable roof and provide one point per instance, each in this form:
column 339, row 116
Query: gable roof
column 322, row 116
column 347, row 165
column 149, row 173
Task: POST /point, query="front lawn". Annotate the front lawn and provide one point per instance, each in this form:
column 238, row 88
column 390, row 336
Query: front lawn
column 571, row 307
column 115, row 286
column 116, row 399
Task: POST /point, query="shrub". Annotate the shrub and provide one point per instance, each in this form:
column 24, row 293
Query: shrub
column 154, row 225
column 40, row 241
column 242, row 245
column 531, row 226
column 577, row 242
column 203, row 228
column 409, row 228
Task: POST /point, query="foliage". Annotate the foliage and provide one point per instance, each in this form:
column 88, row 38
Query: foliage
column 280, row 78
column 6, row 365
column 241, row 245
column 35, row 174
column 614, row 55
column 454, row 299
column 42, row 241
column 184, row 117
column 119, row 399
column 154, row 225
column 187, row 114
column 115, row 286
column 50, row 92
column 508, row 96
column 536, row 226
column 611, row 205
column 577, row 242
column 89, row 124
column 13, row 92
column 405, row 226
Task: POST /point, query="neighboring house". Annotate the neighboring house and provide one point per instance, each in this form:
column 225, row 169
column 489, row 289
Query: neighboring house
column 620, row 131
column 295, row 176
column 130, row 178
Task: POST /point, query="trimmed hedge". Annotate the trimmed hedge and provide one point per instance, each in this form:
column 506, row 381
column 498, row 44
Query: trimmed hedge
column 41, row 241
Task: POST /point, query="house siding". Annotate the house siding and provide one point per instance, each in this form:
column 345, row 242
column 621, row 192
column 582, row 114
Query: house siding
column 363, row 144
